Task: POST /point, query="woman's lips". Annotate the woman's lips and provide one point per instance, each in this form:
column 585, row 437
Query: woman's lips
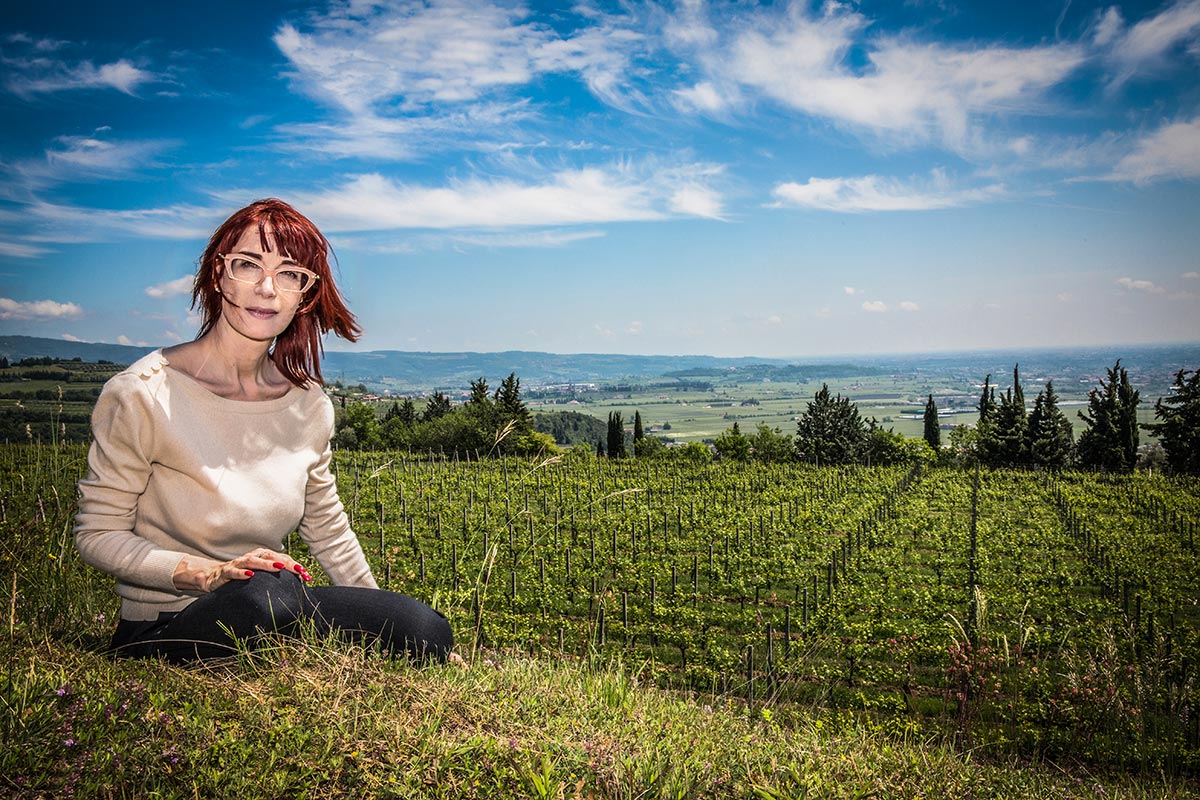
column 261, row 313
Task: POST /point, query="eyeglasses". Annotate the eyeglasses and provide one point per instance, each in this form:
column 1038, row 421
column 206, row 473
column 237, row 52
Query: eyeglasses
column 246, row 269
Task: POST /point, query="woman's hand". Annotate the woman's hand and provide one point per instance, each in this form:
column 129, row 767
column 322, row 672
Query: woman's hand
column 208, row 575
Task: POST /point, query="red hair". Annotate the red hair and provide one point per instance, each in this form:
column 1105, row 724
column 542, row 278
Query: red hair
column 297, row 351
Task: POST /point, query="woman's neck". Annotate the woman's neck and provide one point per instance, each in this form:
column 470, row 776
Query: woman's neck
column 231, row 365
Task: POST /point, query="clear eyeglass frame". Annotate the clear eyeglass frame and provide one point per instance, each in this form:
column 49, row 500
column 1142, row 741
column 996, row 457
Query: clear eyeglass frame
column 310, row 278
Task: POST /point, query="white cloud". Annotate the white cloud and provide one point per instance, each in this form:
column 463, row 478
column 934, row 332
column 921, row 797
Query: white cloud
column 1149, row 287
column 123, row 339
column 878, row 193
column 634, row 327
column 521, row 239
column 1172, row 151
column 19, row 250
column 850, row 290
column 908, row 89
column 51, row 222
column 71, row 338
column 179, row 286
column 42, row 75
column 697, row 201
column 1146, row 45
column 1191, row 275
column 604, row 332
column 908, row 305
column 569, row 197
column 437, row 68
column 874, row 306
column 38, row 309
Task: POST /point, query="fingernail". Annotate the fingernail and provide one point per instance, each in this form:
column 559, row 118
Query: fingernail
column 298, row 568
column 249, row 573
column 278, row 565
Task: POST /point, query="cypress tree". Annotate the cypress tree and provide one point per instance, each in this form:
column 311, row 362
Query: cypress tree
column 1111, row 439
column 1179, row 425
column 986, row 444
column 1050, row 437
column 616, row 435
column 933, row 431
column 1012, row 427
column 639, row 432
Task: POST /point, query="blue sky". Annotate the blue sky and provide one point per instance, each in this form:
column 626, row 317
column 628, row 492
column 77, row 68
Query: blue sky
column 775, row 179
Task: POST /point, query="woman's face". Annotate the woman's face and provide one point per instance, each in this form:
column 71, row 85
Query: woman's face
column 255, row 305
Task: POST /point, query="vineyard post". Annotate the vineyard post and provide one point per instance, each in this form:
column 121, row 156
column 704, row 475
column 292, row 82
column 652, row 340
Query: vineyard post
column 972, row 599
column 750, row 674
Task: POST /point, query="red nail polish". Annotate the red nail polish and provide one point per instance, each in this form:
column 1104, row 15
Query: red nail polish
column 249, row 573
column 278, row 565
column 298, row 568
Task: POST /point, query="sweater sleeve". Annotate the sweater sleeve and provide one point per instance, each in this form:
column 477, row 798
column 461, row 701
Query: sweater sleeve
column 326, row 528
column 119, row 463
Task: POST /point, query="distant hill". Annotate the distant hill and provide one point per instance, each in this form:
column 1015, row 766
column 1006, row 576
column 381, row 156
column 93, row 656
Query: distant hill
column 1151, row 367
column 14, row 348
column 401, row 370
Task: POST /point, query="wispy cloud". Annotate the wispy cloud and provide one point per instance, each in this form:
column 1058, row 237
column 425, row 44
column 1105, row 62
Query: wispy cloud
column 38, row 309
column 179, row 286
column 80, row 158
column 554, row 238
column 908, row 89
column 1134, row 285
column 54, row 222
column 875, row 306
column 71, row 338
column 1172, row 151
column 419, row 69
column 908, row 305
column 1146, row 45
column 878, row 193
column 19, row 250
column 35, row 72
column 568, row 197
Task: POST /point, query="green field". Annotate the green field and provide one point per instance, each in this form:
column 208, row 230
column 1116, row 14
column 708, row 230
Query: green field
column 895, row 404
column 1028, row 618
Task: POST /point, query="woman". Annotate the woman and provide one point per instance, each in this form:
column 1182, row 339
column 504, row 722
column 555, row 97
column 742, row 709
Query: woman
column 207, row 454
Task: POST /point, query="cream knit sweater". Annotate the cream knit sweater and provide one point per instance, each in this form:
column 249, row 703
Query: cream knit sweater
column 175, row 469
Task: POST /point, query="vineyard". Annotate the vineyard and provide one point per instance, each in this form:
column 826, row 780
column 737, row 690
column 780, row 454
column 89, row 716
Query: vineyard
column 1018, row 612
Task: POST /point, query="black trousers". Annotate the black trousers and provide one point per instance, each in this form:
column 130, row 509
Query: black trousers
column 279, row 602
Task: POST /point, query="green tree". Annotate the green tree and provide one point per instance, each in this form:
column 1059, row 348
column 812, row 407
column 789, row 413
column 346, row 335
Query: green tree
column 985, row 443
column 508, row 400
column 651, row 447
column 436, row 407
column 694, row 452
column 885, row 447
column 1111, row 439
column 361, row 419
column 1178, row 428
column 1011, row 440
column 731, row 445
column 933, row 431
column 771, row 445
column 616, row 435
column 639, row 433
column 479, row 392
column 408, row 412
column 830, row 431
column 1051, row 440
